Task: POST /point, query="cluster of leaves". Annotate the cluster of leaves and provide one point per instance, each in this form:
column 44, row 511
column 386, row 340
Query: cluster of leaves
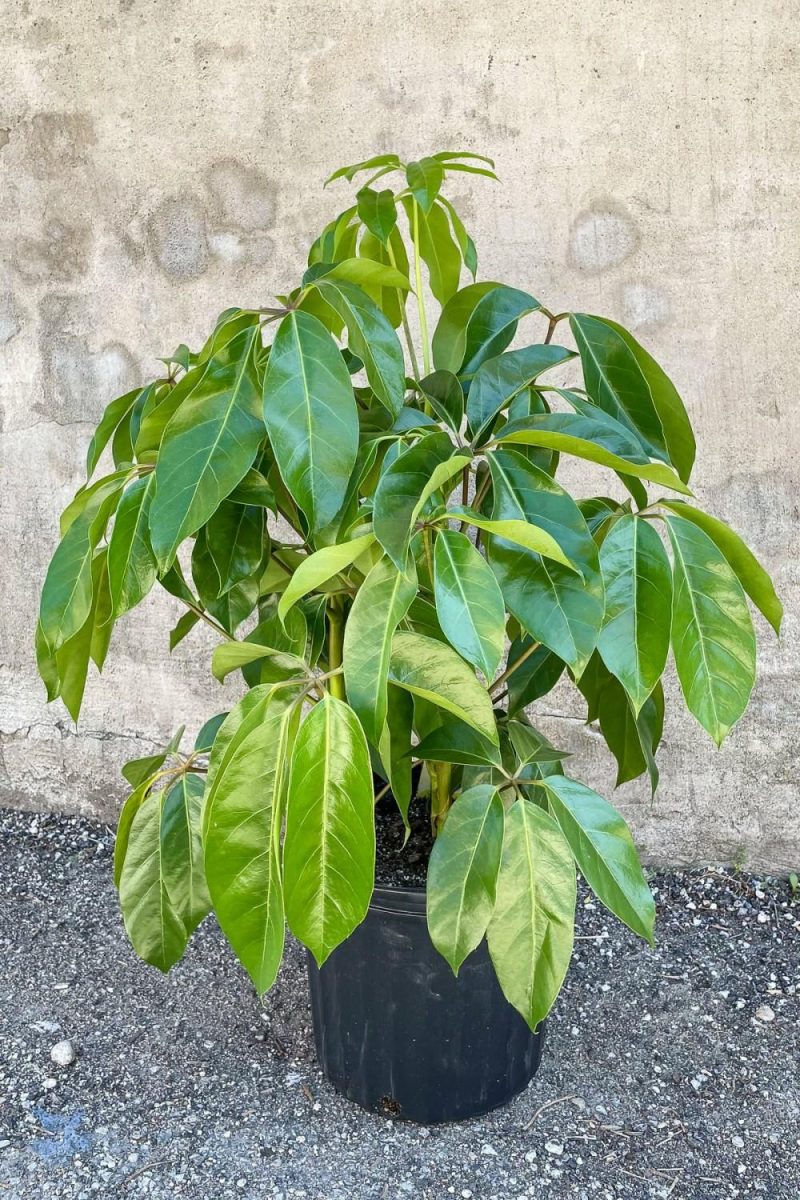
column 424, row 532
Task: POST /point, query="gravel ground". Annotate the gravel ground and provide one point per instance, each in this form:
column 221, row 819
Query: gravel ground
column 671, row 1072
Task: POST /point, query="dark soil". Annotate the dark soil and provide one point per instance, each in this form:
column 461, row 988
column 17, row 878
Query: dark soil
column 398, row 864
column 669, row 1074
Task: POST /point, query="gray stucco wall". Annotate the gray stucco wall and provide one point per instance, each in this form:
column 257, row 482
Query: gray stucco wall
column 159, row 162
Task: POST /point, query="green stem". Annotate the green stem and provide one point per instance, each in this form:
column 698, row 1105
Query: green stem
column 440, row 774
column 335, row 645
column 509, row 671
column 423, row 320
column 401, row 300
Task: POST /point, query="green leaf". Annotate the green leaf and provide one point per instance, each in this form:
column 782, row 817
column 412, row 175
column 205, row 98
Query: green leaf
column 138, row 770
column 444, row 393
column 603, row 848
column 537, row 676
column 113, row 415
column 455, row 742
column 465, row 243
column 712, row 633
column 631, row 737
column 232, row 656
column 368, row 164
column 552, row 603
column 72, row 657
column 446, row 155
column 234, row 539
column 469, row 602
column 205, row 737
column 254, row 489
column 520, row 532
column 748, row 570
column 329, row 849
column 380, row 604
column 372, row 338
column 208, row 447
column 430, row 669
column 378, row 211
column 597, row 438
column 129, row 810
column 182, row 850
column 530, row 746
column 400, row 494
column 365, row 272
column 244, row 812
column 425, row 179
column 132, row 565
column 634, row 640
column 310, row 414
column 390, row 300
column 321, row 566
column 498, row 380
column 436, row 249
column 152, row 921
column 531, row 930
column 623, row 379
column 182, row 628
column 478, row 323
column 462, row 873
column 395, row 747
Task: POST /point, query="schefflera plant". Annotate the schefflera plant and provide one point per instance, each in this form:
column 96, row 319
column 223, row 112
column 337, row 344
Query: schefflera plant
column 429, row 539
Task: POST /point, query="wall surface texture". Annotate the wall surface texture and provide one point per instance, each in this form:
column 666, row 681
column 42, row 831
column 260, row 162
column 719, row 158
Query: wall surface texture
column 159, row 162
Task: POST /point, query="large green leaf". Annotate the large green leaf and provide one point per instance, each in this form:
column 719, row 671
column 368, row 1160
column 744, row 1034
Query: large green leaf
column 310, row 414
column 634, row 640
column 321, row 566
column 433, row 671
column 631, row 737
column 604, row 851
column 552, row 603
column 462, row 873
column 113, row 415
column 498, row 380
column 182, row 850
column 380, row 604
column 712, row 632
column 132, row 566
column 235, row 543
column 444, row 394
column 208, row 446
column 329, row 849
column 232, row 656
column 378, row 211
column 72, row 656
column 244, row 812
column 520, row 532
column 531, row 930
column 469, row 602
column 365, row 272
column 391, row 301
column 437, row 250
column 152, row 920
column 534, row 677
column 476, row 324
column 424, row 179
column 455, row 742
column 395, row 747
column 401, row 491
column 595, row 437
column 371, row 337
column 751, row 575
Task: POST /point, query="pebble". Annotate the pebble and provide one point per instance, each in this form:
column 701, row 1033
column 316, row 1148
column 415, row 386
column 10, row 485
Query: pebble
column 63, row 1054
column 765, row 1013
column 554, row 1147
column 738, row 1141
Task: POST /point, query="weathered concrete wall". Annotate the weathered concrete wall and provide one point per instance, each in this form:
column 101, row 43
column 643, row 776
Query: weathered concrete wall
column 159, row 162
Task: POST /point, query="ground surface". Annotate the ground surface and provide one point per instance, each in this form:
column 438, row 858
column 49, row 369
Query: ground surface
column 663, row 1075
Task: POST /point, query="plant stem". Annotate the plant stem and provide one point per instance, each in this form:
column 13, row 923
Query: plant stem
column 401, row 300
column 482, row 490
column 423, row 320
column 440, row 774
column 203, row 615
column 509, row 671
column 335, row 644
column 426, row 541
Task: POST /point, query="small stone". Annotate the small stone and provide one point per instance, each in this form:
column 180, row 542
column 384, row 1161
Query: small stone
column 49, row 1084
column 63, row 1054
column 737, row 1141
column 554, row 1147
column 46, row 1026
column 762, row 918
column 488, row 1151
column 765, row 1013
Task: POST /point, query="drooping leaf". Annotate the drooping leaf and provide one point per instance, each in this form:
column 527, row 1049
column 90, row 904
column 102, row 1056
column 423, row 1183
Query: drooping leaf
column 132, row 566
column 425, row 179
column 465, row 243
column 455, row 742
column 469, row 602
column 712, row 632
column 208, row 446
column 254, row 489
column 138, row 770
column 321, row 566
column 113, row 415
column 603, row 849
column 400, row 494
column 329, row 848
column 365, row 272
column 462, row 873
column 395, row 747
column 520, row 532
column 748, row 570
column 234, row 539
column 232, row 656
column 72, row 656
column 531, row 930
column 634, row 640
column 444, row 393
column 372, row 338
column 498, row 380
column 476, row 324
column 433, row 671
column 390, row 300
column 182, row 850
column 436, row 249
column 152, row 921
column 310, row 414
column 378, row 211
column 244, row 811
column 380, row 604
column 535, row 677
column 368, row 164
column 631, row 737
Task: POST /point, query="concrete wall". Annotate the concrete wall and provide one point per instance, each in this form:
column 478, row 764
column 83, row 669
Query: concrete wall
column 159, row 162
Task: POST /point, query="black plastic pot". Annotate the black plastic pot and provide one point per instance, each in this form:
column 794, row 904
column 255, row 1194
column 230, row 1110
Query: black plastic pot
column 398, row 1033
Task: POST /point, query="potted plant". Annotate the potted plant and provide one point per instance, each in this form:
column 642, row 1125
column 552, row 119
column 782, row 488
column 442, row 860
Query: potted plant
column 378, row 537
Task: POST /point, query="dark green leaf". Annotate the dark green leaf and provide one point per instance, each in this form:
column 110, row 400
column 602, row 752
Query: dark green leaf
column 478, row 323
column 455, row 742
column 131, row 563
column 400, row 494
column 498, row 380
column 469, row 602
column 395, row 747
column 372, row 338
column 182, row 850
column 443, row 392
column 378, row 212
column 114, row 413
column 425, row 179
column 205, row 738
column 235, row 543
column 537, row 676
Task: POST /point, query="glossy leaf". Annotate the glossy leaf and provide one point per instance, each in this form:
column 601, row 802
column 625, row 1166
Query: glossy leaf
column 152, row 920
column 365, row 272
column 477, row 324
column 380, row 604
column 464, row 241
column 72, row 656
column 372, row 338
column 498, row 380
column 182, row 850
column 431, row 670
column 424, row 179
column 748, row 570
column 531, row 930
column 521, row 532
column 455, row 742
column 321, row 566
column 462, row 873
column 208, row 447
column 395, row 747
column 443, row 392
column 469, row 602
column 634, row 640
column 400, row 491
column 113, row 415
column 603, row 849
column 534, row 678
column 244, row 810
column 310, row 414
column 208, row 731
column 138, row 770
column 378, row 212
column 132, row 566
column 232, row 656
column 329, row 849
column 630, row 736
column 235, row 543
column 712, row 633
column 437, row 250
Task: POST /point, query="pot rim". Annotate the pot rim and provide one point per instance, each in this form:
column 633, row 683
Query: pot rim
column 410, row 900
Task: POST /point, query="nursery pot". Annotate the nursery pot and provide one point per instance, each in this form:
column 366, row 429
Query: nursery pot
column 398, row 1033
